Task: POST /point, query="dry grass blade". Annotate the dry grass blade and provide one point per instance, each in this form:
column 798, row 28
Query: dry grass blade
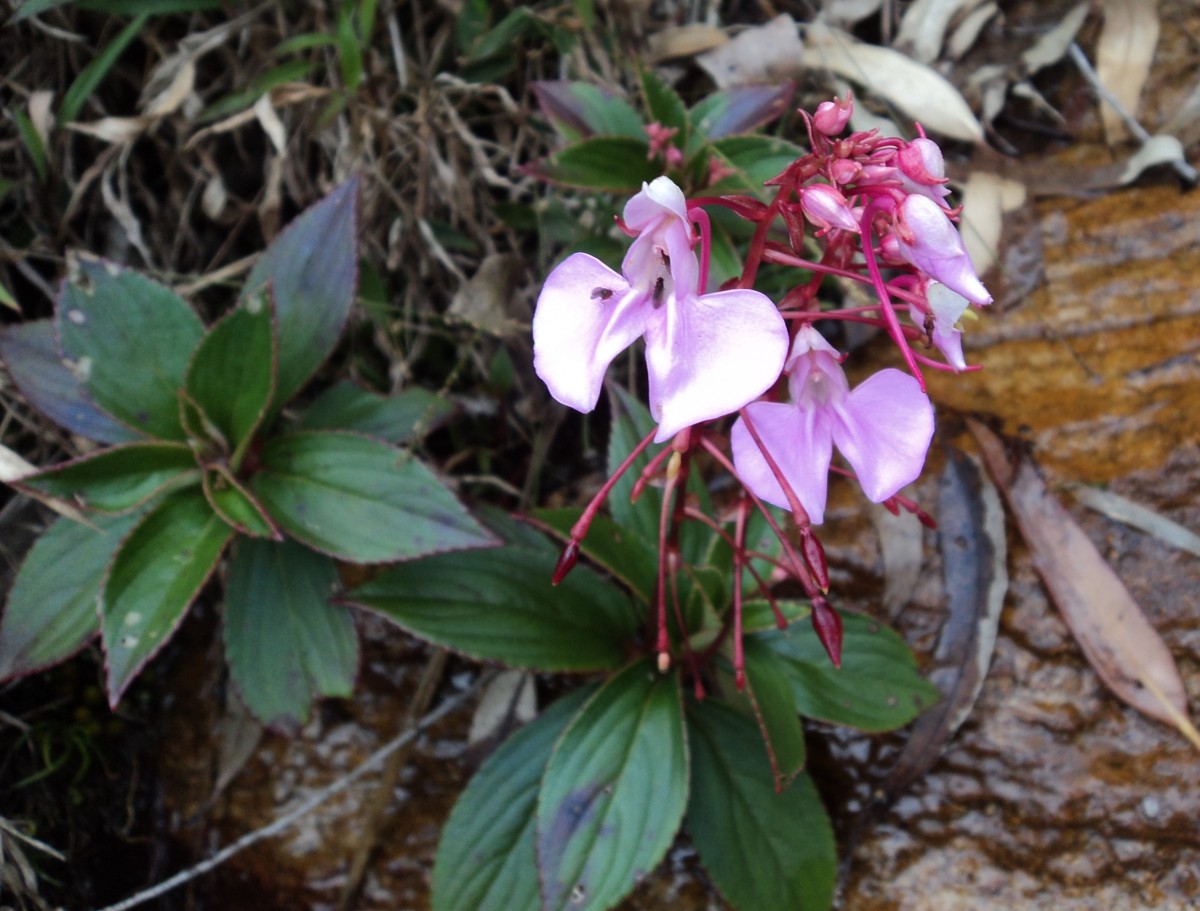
column 1117, row 639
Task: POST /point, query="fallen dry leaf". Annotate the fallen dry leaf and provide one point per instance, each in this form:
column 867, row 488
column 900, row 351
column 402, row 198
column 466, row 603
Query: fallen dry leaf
column 974, row 565
column 1053, row 45
column 1123, row 56
column 985, row 200
column 902, row 551
column 1115, row 636
column 765, row 53
column 683, row 41
column 920, row 92
column 1122, row 509
column 924, row 25
column 966, row 33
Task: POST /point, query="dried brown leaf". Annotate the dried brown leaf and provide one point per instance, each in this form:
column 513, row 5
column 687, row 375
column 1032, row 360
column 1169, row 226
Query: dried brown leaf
column 902, row 550
column 966, row 33
column 1159, row 150
column 1127, row 511
column 921, row 93
column 40, row 114
column 508, row 701
column 679, row 41
column 760, row 54
column 1052, row 46
column 179, row 85
column 985, row 199
column 1123, row 57
column 1115, row 636
column 924, row 25
column 974, row 565
column 116, row 130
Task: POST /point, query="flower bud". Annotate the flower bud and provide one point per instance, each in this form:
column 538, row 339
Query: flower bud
column 825, row 207
column 827, row 623
column 832, row 116
column 566, row 562
column 844, row 170
column 927, row 238
column 922, row 169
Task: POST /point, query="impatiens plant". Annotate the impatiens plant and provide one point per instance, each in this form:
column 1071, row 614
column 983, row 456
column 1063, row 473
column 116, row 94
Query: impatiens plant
column 200, row 463
column 697, row 722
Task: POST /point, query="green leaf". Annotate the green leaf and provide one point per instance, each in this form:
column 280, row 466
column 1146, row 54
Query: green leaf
column 285, row 642
column 51, row 612
column 499, row 605
column 740, row 109
column 486, row 860
column 93, row 74
column 33, row 142
column 579, row 110
column 615, row 163
column 765, row 851
column 292, row 71
column 129, row 340
column 877, row 687
column 232, row 374
column 621, row 552
column 769, row 689
column 312, row 268
column 30, row 354
column 665, row 105
column 236, row 506
column 755, row 160
column 360, row 499
column 398, row 418
column 152, row 581
column 117, row 479
column 614, row 792
column 631, row 423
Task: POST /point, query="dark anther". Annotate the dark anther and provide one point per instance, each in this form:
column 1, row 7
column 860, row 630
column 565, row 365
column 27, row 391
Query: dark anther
column 659, row 286
column 602, row 293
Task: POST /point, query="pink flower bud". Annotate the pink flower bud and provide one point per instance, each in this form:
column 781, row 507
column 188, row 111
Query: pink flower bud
column 922, row 169
column 844, row 170
column 927, row 238
column 825, row 207
column 832, row 116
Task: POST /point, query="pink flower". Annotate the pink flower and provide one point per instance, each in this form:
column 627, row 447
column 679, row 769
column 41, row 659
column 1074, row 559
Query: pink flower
column 926, row 237
column 707, row 354
column 882, row 427
column 831, row 117
column 945, row 307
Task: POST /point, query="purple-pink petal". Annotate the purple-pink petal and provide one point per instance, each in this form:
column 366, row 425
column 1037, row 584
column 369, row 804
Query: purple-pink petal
column 708, row 356
column 801, row 443
column 883, row 428
column 928, row 239
column 586, row 315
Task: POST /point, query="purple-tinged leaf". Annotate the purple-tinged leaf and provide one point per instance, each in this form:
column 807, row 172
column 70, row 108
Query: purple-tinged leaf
column 614, row 792
column 486, row 859
column 615, row 163
column 285, row 642
column 30, row 353
column 774, row 706
column 395, row 418
column 740, row 109
column 154, row 577
column 232, row 374
column 236, row 506
column 119, row 478
column 128, row 339
column 580, row 110
column 313, row 269
column 51, row 611
column 765, row 851
column 360, row 499
column 499, row 605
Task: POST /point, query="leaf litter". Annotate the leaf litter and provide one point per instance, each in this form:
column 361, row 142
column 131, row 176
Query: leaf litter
column 1116, row 637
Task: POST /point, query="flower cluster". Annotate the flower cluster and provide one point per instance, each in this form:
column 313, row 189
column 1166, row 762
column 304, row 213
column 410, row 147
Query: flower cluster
column 875, row 209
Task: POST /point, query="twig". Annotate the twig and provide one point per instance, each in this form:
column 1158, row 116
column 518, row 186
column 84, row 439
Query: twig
column 1185, row 170
column 283, row 822
column 383, row 798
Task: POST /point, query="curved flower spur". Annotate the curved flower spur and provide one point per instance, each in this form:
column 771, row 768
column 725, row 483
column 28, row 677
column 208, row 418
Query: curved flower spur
column 874, row 210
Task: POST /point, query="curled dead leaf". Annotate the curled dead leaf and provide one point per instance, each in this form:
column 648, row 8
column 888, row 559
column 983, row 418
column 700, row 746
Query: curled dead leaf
column 1120, row 644
column 679, row 41
column 764, row 53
